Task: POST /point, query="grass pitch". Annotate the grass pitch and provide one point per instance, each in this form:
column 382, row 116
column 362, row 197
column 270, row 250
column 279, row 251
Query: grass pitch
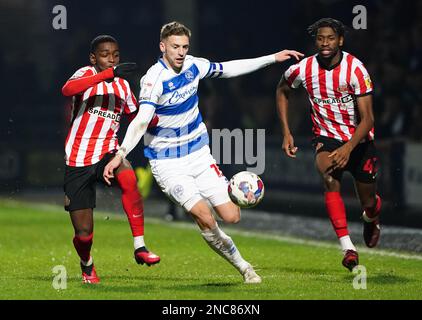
column 35, row 238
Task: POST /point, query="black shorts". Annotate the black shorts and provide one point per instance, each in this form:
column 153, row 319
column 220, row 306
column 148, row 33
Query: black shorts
column 363, row 161
column 80, row 184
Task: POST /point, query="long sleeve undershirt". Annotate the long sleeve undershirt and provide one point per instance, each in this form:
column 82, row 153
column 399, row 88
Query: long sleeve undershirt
column 236, row 68
column 76, row 86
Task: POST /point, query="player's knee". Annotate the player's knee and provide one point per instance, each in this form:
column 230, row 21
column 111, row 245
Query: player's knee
column 331, row 184
column 205, row 222
column 368, row 202
column 234, row 217
column 85, row 231
column 201, row 213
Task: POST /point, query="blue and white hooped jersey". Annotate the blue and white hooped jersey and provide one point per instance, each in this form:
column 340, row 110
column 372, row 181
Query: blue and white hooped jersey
column 180, row 129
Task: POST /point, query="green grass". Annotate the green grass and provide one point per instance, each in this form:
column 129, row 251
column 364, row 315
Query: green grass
column 35, row 238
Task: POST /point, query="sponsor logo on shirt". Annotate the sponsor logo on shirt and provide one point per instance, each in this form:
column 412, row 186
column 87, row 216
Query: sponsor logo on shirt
column 171, row 86
column 342, row 100
column 104, row 114
column 146, row 91
column 182, row 94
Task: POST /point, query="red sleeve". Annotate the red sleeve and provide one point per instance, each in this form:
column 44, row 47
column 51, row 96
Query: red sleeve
column 363, row 80
column 86, row 80
column 292, row 76
column 131, row 104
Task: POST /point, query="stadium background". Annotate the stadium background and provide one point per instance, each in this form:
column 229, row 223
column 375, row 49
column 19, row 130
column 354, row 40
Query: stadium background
column 36, row 60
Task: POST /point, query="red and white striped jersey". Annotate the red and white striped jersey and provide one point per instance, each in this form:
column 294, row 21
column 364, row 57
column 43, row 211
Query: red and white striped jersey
column 332, row 94
column 95, row 119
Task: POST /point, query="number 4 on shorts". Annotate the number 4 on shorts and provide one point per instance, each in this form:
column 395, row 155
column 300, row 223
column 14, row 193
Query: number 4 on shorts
column 370, row 165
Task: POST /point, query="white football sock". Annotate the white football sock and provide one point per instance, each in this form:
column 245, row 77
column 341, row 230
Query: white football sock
column 346, row 244
column 225, row 247
column 138, row 242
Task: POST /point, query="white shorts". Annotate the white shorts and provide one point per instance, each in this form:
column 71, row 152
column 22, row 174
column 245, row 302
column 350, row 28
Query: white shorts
column 191, row 178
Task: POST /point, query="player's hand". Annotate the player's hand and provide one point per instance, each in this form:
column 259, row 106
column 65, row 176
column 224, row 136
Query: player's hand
column 287, row 54
column 110, row 167
column 340, row 156
column 289, row 146
column 123, row 70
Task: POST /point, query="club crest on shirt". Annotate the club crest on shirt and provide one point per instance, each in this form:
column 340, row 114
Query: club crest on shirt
column 342, row 88
column 189, row 75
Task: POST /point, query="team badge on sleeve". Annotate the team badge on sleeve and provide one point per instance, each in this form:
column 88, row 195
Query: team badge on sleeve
column 368, row 83
column 146, row 91
column 79, row 73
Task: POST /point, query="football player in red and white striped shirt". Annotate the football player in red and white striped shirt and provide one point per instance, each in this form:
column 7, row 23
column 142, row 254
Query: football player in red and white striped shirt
column 101, row 96
column 340, row 93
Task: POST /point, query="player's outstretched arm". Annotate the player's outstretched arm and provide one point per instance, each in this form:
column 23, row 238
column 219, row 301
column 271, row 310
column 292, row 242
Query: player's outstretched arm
column 75, row 86
column 287, row 54
column 236, row 68
column 134, row 133
column 282, row 100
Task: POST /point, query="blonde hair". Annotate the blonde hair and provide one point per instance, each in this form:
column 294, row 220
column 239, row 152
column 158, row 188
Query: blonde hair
column 174, row 28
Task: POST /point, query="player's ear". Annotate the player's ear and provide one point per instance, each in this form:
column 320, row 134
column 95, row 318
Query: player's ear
column 340, row 41
column 162, row 47
column 92, row 59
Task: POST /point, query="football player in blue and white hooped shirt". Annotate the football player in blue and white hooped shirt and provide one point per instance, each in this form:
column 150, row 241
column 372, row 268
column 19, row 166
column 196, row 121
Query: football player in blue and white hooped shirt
column 177, row 146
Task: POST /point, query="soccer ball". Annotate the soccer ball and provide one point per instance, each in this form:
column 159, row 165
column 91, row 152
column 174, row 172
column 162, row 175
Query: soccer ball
column 246, row 189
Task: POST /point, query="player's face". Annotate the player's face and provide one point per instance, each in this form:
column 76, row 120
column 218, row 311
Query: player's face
column 328, row 42
column 106, row 55
column 175, row 49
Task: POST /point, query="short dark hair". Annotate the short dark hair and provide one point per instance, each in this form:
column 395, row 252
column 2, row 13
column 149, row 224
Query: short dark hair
column 334, row 24
column 174, row 28
column 101, row 39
